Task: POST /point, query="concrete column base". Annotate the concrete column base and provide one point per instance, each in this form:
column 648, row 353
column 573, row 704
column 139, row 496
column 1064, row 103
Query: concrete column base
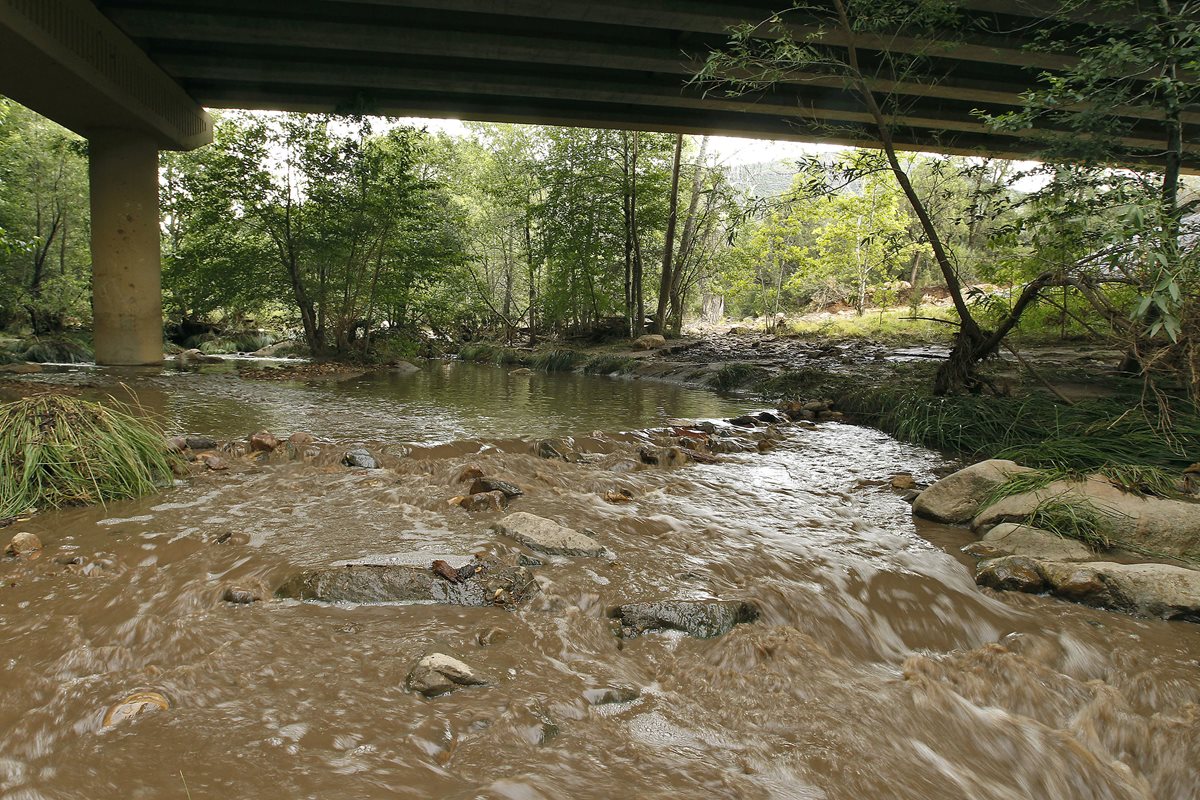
column 126, row 262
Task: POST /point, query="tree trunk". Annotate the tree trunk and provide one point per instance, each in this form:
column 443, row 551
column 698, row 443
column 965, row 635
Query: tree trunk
column 664, row 287
column 639, row 294
column 686, row 241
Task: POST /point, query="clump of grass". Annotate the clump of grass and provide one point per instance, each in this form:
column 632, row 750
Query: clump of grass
column 1141, row 479
column 609, row 365
column 734, row 376
column 57, row 451
column 237, row 342
column 1074, row 519
column 1024, row 482
column 1035, row 431
column 557, row 360
column 1129, row 477
column 216, row 346
column 489, row 353
column 62, row 349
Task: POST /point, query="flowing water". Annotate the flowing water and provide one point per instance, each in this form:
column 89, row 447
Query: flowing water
column 877, row 669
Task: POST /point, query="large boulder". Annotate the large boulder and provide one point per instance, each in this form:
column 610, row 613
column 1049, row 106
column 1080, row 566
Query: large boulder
column 1156, row 523
column 546, row 536
column 1152, row 590
column 957, row 498
column 474, row 583
column 438, row 673
column 1009, row 538
column 651, row 341
column 703, row 619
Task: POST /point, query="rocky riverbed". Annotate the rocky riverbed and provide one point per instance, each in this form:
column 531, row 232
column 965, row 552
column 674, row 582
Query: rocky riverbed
column 730, row 605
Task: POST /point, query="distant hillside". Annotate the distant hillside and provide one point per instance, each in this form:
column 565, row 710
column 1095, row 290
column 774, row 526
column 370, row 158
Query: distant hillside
column 765, row 178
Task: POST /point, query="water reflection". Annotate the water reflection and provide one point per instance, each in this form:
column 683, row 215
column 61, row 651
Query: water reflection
column 442, row 401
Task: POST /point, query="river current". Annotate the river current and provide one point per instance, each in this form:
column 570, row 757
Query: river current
column 876, row 669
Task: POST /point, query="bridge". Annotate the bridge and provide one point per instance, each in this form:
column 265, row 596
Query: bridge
column 134, row 77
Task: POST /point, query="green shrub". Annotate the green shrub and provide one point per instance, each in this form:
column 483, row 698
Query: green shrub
column 57, row 451
column 557, row 360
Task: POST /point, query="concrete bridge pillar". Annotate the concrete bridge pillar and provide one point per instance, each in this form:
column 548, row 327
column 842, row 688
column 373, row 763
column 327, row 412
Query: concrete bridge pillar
column 126, row 262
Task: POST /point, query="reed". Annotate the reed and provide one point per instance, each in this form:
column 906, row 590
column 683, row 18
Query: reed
column 735, row 376
column 58, row 451
column 560, row 360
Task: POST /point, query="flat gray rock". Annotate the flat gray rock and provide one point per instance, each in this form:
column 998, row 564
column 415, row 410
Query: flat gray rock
column 1012, row 539
column 546, row 536
column 703, row 619
column 492, row 584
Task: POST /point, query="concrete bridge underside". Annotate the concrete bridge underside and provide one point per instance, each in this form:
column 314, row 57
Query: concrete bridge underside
column 134, row 77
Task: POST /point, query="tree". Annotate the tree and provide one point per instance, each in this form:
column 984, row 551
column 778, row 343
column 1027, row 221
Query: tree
column 354, row 223
column 45, row 262
column 1132, row 59
column 758, row 56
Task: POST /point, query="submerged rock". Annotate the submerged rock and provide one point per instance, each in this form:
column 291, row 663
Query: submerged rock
column 239, row 595
column 27, row 368
column 547, row 450
column 1010, row 574
column 135, row 705
column 665, row 457
column 483, row 485
column 23, row 544
column 438, row 673
column 361, row 458
column 215, row 463
column 485, row 583
column 618, row 496
column 610, row 695
column 703, row 619
column 1152, row 590
column 200, row 442
column 263, row 442
column 957, row 498
column 483, row 501
column 546, row 536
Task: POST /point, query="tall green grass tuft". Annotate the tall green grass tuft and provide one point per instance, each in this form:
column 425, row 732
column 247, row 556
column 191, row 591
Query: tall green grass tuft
column 1035, row 431
column 609, row 365
column 489, row 353
column 57, row 451
column 1074, row 519
column 59, row 348
column 735, row 376
column 557, row 360
column 237, row 342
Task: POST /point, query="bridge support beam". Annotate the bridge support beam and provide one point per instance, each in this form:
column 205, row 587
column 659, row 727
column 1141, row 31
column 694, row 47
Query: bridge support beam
column 126, row 264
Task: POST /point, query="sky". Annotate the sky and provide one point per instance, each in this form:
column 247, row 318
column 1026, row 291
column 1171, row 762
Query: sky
column 730, row 149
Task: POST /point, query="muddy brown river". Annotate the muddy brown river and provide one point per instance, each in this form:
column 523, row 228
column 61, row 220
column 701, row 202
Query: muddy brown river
column 876, row 667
